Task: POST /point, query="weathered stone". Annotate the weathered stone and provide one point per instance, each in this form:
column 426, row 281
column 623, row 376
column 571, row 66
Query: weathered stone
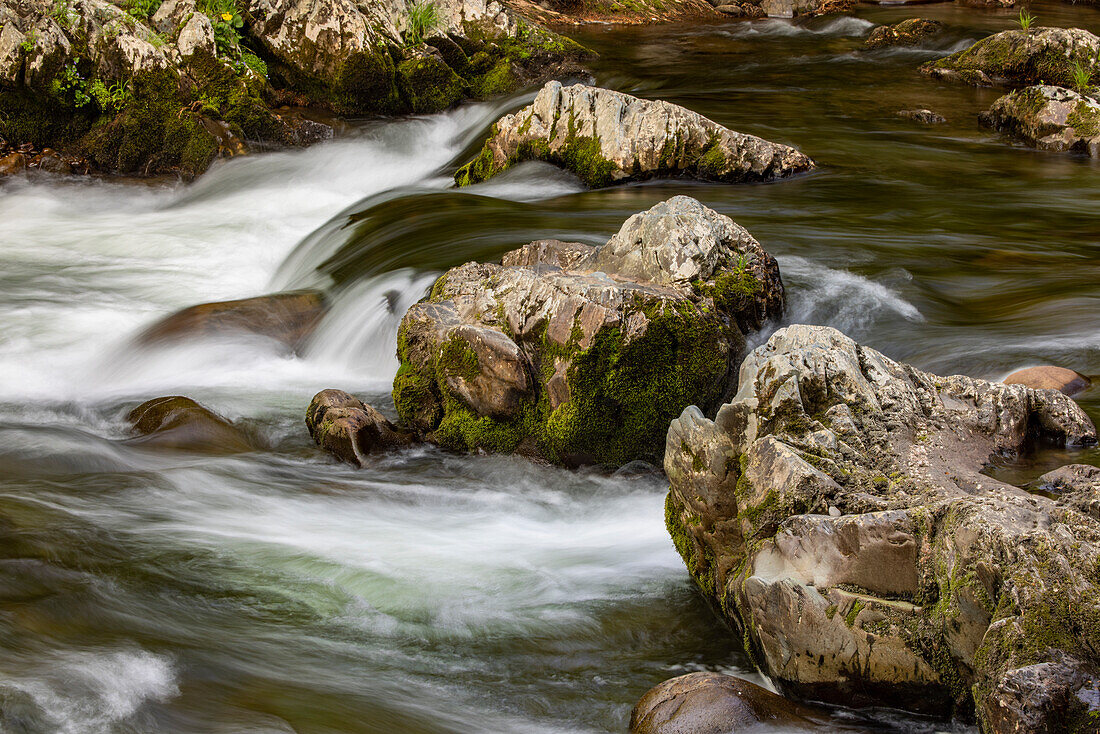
column 349, row 429
column 908, row 32
column 178, row 422
column 12, row 163
column 607, row 137
column 1015, row 57
column 1076, row 486
column 734, row 11
column 711, row 703
column 289, row 318
column 1049, row 118
column 836, row 513
column 1049, row 377
column 923, row 116
column 581, row 354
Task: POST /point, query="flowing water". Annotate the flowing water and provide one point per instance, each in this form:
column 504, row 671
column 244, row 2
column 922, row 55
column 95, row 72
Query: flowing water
column 276, row 591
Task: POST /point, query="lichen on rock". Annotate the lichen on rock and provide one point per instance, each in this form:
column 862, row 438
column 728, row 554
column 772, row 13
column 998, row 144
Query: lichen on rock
column 836, row 512
column 607, row 137
column 580, row 354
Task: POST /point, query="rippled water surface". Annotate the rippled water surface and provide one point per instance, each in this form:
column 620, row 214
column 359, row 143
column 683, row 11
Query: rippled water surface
column 276, row 591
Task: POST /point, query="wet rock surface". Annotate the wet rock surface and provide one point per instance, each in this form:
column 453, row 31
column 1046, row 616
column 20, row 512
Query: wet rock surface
column 607, row 137
column 712, row 703
column 908, row 32
column 177, row 422
column 580, row 354
column 289, row 318
column 349, row 429
column 836, row 513
column 1049, row 377
column 1018, row 57
column 923, row 116
column 1048, row 118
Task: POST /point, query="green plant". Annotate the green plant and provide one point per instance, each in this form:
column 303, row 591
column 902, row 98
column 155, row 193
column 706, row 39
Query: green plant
column 70, row 86
column 226, row 20
column 63, row 14
column 1082, row 78
column 254, row 62
column 424, row 18
column 112, row 99
column 29, row 42
column 143, row 9
column 1025, row 20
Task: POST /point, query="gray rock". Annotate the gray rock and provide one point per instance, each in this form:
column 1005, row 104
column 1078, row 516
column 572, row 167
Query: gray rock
column 1049, row 118
column 579, row 354
column 835, row 511
column 608, row 137
column 711, row 703
column 349, row 429
column 1015, row 57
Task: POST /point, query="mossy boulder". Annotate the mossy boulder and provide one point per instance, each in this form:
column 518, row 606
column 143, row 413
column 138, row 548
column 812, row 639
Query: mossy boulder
column 1049, row 118
column 607, row 137
column 1018, row 57
column 836, row 513
column 579, row 354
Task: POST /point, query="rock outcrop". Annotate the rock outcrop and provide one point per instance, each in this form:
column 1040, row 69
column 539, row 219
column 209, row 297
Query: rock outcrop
column 836, row 513
column 177, row 422
column 288, row 318
column 712, row 703
column 909, row 32
column 1048, row 118
column 580, row 354
column 171, row 92
column 1049, row 377
column 607, row 137
column 1018, row 57
column 349, row 429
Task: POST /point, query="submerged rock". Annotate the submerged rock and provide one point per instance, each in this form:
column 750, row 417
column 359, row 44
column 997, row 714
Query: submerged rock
column 1049, row 118
column 607, row 137
column 289, row 318
column 908, row 32
column 349, row 429
column 177, row 422
column 836, row 513
column 711, row 703
column 1049, row 377
column 1016, row 57
column 580, row 354
column 923, row 116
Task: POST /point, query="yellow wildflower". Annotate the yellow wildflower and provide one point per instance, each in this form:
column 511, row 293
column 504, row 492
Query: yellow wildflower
column 227, row 17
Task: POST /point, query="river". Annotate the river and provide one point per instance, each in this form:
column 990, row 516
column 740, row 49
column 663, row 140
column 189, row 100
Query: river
column 276, row 591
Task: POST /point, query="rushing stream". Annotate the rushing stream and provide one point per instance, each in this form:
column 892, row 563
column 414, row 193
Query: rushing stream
column 276, row 591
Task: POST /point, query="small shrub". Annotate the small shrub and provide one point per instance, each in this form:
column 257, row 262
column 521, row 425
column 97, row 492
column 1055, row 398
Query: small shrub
column 424, row 19
column 227, row 21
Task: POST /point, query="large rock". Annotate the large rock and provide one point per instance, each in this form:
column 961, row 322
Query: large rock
column 836, row 513
column 177, row 422
column 349, row 429
column 365, row 57
column 289, row 318
column 607, row 137
column 1049, row 118
column 581, row 354
column 1017, row 57
column 712, row 703
column 909, row 32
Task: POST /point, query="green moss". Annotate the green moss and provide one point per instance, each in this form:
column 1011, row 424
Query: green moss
column 1085, row 120
column 480, row 168
column 458, row 360
column 853, row 613
column 1006, row 55
column 713, row 162
column 427, row 84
